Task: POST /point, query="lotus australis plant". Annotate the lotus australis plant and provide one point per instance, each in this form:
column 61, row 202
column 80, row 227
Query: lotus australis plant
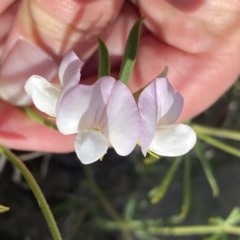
column 106, row 113
column 102, row 113
column 46, row 95
column 160, row 107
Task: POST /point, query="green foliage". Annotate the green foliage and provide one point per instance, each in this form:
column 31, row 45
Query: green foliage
column 104, row 60
column 164, row 73
column 130, row 53
column 38, row 118
column 4, row 209
column 130, row 208
column 158, row 192
column 186, row 201
column 218, row 144
column 207, row 168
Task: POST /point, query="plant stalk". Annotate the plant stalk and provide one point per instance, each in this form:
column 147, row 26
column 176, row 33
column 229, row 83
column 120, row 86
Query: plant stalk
column 36, row 191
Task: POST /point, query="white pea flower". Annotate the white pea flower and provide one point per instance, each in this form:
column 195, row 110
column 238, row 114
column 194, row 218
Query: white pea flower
column 99, row 114
column 160, row 106
column 46, row 95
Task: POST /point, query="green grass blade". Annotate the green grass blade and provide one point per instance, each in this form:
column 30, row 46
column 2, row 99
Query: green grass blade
column 217, row 132
column 218, row 144
column 164, row 73
column 187, row 187
column 104, row 60
column 207, row 169
column 130, row 53
column 4, row 209
column 186, row 202
column 158, row 192
column 130, row 208
column 38, row 118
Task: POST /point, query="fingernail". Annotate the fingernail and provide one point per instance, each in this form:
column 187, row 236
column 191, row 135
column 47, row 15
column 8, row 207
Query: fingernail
column 23, row 60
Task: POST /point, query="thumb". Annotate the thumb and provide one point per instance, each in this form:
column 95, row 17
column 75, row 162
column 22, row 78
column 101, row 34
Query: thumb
column 43, row 32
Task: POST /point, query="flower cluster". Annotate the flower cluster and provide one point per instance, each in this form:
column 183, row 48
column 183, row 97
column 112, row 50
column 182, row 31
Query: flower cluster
column 106, row 113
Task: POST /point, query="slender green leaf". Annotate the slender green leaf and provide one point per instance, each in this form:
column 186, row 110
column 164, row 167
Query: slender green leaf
column 207, row 169
column 187, row 187
column 234, row 217
column 164, row 73
column 186, row 202
column 217, row 132
column 130, row 53
column 158, row 192
column 137, row 94
column 218, row 144
column 38, row 118
column 130, row 208
column 4, row 209
column 104, row 60
column 151, row 160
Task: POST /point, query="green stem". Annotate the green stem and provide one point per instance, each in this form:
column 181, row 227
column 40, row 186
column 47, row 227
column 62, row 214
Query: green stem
column 232, row 230
column 173, row 231
column 218, row 144
column 193, row 230
column 184, row 231
column 36, row 191
column 216, row 132
column 106, row 204
column 207, row 168
column 187, row 187
column 157, row 193
column 38, row 118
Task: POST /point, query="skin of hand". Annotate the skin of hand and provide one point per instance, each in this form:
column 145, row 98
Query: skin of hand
column 198, row 40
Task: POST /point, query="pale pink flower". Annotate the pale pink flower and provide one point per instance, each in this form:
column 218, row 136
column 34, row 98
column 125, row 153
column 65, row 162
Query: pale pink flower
column 160, row 107
column 99, row 114
column 46, row 95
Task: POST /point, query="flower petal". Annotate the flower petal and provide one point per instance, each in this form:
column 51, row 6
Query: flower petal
column 74, row 105
column 165, row 95
column 69, row 70
column 149, row 110
column 100, row 98
column 43, row 93
column 173, row 140
column 123, row 119
column 82, row 107
column 90, row 145
column 174, row 112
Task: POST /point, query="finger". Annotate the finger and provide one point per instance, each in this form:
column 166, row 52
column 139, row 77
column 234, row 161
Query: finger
column 44, row 31
column 5, row 4
column 59, row 26
column 201, row 71
column 18, row 131
column 6, row 22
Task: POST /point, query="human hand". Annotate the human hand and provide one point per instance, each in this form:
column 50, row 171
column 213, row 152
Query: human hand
column 198, row 41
